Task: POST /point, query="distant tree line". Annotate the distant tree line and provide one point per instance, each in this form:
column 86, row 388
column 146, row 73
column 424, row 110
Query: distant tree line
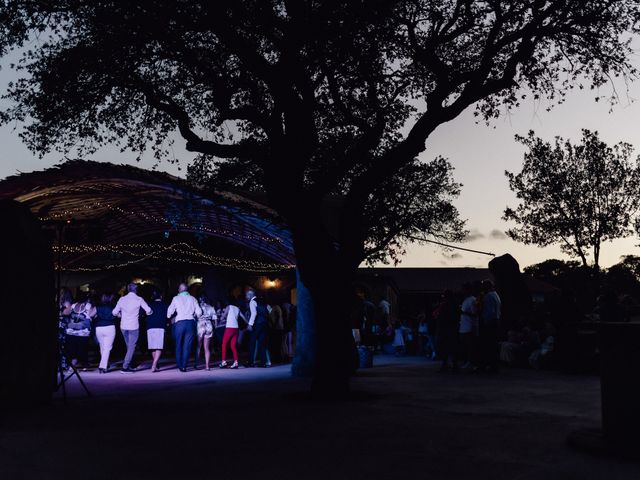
column 623, row 278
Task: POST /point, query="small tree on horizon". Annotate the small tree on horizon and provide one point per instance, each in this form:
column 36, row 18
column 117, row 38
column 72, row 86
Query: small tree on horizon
column 576, row 195
column 624, row 276
column 551, row 270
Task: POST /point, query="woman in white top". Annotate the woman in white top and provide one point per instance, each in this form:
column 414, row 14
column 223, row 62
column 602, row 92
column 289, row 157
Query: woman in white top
column 205, row 330
column 230, row 337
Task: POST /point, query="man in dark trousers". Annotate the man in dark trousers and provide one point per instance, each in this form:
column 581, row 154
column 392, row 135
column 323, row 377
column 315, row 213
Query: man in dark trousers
column 186, row 309
column 258, row 315
column 489, row 326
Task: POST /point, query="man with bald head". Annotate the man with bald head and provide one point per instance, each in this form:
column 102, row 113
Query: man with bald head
column 187, row 310
column 128, row 309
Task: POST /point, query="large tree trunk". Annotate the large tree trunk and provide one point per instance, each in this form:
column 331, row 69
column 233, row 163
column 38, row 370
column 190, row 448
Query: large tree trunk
column 336, row 355
column 304, row 360
column 325, row 346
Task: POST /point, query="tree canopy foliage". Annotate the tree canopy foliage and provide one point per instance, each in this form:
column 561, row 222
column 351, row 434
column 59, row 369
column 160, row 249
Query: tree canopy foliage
column 321, row 97
column 414, row 202
column 576, row 195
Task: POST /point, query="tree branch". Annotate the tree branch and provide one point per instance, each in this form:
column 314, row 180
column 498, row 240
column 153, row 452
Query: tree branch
column 194, row 142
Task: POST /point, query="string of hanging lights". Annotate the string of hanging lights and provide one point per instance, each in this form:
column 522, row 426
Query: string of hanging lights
column 97, row 205
column 174, row 253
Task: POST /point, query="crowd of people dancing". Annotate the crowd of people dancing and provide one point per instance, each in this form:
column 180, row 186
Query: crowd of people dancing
column 193, row 322
column 463, row 331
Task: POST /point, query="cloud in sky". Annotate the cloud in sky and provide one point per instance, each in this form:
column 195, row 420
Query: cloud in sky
column 496, row 234
column 452, row 256
column 474, row 234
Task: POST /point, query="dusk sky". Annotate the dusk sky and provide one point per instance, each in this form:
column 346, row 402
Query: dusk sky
column 480, row 155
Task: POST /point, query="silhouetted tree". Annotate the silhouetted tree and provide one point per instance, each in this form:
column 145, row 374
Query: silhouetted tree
column 571, row 277
column 631, row 263
column 624, row 276
column 323, row 97
column 414, row 203
column 551, row 270
column 576, row 195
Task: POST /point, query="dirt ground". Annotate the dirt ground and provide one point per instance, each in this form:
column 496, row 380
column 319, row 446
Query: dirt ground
column 404, row 420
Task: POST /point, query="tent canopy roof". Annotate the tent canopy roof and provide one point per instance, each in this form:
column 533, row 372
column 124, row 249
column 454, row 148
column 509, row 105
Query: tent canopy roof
column 120, row 203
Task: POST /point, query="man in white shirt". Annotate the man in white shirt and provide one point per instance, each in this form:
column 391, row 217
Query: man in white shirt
column 128, row 309
column 186, row 309
column 468, row 323
column 384, row 307
column 258, row 327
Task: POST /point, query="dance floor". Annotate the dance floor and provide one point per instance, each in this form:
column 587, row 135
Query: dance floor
column 144, row 381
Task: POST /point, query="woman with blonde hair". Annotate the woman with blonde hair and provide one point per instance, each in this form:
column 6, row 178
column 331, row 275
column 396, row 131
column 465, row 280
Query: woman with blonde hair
column 205, row 331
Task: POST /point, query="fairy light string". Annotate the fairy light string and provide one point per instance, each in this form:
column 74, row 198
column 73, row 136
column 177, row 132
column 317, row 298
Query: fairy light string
column 96, row 205
column 175, row 253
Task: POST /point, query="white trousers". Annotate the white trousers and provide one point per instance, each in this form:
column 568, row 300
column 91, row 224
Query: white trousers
column 105, row 337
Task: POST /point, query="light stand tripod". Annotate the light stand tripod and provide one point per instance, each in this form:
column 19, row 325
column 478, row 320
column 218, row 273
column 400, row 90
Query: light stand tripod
column 63, row 376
